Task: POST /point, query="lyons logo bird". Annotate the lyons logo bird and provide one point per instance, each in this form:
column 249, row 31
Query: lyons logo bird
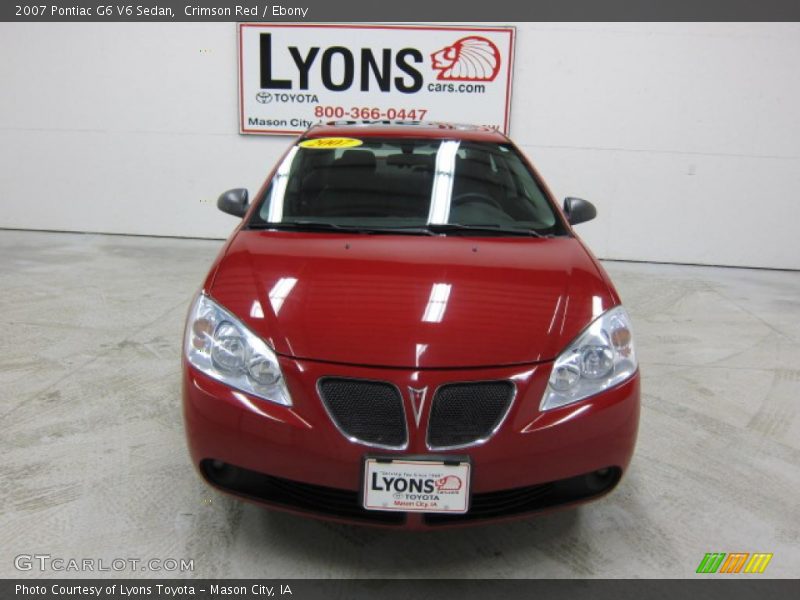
column 472, row 58
column 448, row 483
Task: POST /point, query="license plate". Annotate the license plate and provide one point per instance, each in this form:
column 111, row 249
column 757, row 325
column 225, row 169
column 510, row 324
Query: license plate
column 411, row 485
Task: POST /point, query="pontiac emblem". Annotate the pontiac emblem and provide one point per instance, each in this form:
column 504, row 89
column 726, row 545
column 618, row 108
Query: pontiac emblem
column 417, row 397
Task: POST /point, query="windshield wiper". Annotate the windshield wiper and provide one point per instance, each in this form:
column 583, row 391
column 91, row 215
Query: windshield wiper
column 319, row 226
column 488, row 228
column 429, row 229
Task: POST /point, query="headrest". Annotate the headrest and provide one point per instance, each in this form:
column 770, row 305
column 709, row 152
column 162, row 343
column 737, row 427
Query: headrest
column 363, row 159
column 411, row 160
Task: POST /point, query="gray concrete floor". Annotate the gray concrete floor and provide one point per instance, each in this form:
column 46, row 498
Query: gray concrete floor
column 94, row 462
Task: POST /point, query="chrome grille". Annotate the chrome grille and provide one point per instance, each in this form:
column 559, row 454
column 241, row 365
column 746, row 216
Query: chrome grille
column 466, row 413
column 370, row 412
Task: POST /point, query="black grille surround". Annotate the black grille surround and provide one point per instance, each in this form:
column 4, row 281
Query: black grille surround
column 531, row 499
column 295, row 495
column 467, row 413
column 370, row 412
column 346, row 504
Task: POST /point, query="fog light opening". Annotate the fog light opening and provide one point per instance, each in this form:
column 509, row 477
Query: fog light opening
column 600, row 479
column 221, row 473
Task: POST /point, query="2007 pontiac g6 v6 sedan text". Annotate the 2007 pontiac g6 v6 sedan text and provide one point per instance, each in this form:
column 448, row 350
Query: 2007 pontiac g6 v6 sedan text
column 404, row 330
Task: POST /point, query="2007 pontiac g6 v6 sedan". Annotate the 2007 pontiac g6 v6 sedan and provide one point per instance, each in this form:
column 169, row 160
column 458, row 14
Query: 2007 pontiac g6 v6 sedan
column 404, row 330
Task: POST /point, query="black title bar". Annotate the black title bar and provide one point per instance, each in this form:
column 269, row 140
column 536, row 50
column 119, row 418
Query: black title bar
column 702, row 588
column 458, row 11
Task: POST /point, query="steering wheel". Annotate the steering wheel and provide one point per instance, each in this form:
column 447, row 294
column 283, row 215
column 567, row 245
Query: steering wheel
column 476, row 197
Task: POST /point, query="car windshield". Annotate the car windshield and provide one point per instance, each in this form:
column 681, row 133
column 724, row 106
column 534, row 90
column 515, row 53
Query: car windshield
column 400, row 183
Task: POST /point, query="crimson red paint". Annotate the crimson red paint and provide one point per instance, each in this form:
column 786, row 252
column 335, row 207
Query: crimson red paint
column 358, row 309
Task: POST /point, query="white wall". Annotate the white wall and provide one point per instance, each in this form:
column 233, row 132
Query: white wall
column 686, row 136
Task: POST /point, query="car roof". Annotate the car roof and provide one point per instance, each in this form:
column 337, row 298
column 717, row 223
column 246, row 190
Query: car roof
column 406, row 129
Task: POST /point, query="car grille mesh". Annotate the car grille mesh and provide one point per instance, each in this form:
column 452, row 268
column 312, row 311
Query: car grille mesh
column 533, row 498
column 346, row 504
column 369, row 411
column 498, row 504
column 297, row 495
column 463, row 413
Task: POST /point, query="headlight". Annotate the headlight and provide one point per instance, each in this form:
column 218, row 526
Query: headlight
column 600, row 358
column 219, row 345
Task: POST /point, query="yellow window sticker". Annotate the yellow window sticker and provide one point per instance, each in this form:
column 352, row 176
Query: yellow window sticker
column 330, row 142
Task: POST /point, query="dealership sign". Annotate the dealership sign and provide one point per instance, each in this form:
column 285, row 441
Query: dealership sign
column 293, row 76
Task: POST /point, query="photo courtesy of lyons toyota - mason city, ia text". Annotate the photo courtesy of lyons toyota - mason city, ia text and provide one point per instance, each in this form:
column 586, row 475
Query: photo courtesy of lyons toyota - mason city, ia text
column 293, row 76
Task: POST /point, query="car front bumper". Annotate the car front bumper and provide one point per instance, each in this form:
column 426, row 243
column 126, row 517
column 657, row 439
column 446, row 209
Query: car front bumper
column 296, row 459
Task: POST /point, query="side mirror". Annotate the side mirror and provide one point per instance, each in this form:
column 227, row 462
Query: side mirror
column 234, row 202
column 579, row 210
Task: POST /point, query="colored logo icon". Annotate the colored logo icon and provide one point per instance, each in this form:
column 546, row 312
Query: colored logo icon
column 734, row 562
column 449, row 483
column 472, row 58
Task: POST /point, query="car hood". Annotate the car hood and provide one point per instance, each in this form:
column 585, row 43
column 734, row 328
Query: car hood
column 411, row 301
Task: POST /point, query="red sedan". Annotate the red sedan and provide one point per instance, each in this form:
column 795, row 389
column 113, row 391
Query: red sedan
column 405, row 330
